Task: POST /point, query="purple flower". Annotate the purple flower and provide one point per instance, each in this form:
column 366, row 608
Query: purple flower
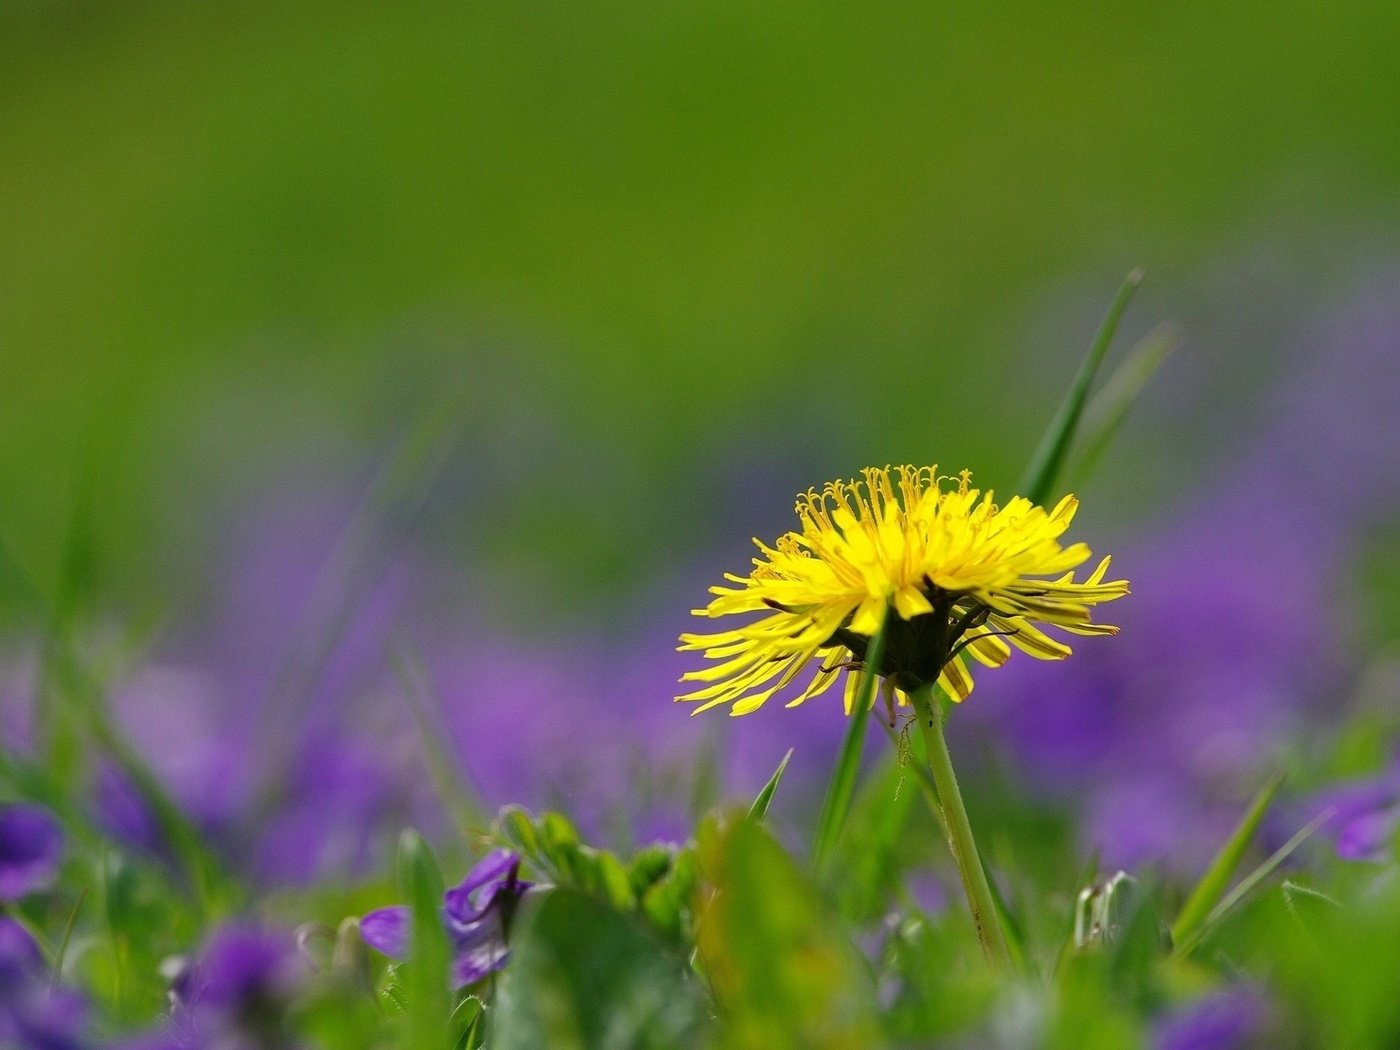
column 1363, row 815
column 33, row 1014
column 123, row 813
column 237, row 991
column 19, row 958
column 476, row 914
column 31, row 847
column 1230, row 1020
column 241, row 965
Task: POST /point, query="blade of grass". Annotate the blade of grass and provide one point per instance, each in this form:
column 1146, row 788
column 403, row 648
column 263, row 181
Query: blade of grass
column 759, row 809
column 61, row 952
column 1109, row 407
column 842, row 785
column 1211, row 888
column 1253, row 879
column 1292, row 890
column 69, row 684
column 1048, row 460
column 426, row 974
column 58, row 724
column 359, row 558
column 449, row 779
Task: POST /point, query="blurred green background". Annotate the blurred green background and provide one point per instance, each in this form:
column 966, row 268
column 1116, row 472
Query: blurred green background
column 628, row 241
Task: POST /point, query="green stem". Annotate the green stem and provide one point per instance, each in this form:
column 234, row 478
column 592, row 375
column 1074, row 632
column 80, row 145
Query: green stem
column 842, row 786
column 959, row 831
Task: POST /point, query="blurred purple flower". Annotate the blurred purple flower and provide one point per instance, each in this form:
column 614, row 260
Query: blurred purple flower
column 20, row 958
column 340, row 799
column 476, row 912
column 31, row 849
column 261, row 725
column 237, row 991
column 35, row 1015
column 1363, row 816
column 123, row 813
column 1233, row 1019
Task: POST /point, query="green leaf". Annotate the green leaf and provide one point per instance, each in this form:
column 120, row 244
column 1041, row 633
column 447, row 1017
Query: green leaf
column 465, row 1022
column 759, row 809
column 667, row 904
column 558, row 832
column 612, row 881
column 782, row 968
column 518, row 827
column 1048, row 461
column 1299, row 898
column 1250, row 881
column 583, row 976
column 648, row 866
column 1211, row 888
column 426, row 975
column 841, row 788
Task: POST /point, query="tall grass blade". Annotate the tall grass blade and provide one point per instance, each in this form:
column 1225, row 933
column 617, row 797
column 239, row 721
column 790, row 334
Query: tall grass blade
column 61, row 952
column 1048, row 461
column 842, row 786
column 427, row 973
column 1110, row 406
column 78, row 698
column 1253, row 879
column 445, row 770
column 1214, row 882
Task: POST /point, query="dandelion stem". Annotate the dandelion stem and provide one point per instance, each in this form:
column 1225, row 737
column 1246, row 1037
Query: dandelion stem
column 959, row 831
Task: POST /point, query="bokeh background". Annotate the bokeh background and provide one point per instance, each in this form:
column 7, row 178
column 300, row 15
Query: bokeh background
column 361, row 359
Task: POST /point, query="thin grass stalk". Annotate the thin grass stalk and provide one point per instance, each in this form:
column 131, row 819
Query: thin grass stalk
column 841, row 788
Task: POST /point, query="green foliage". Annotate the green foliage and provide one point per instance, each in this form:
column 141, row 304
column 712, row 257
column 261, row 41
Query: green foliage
column 424, row 979
column 764, row 799
column 585, row 976
column 841, row 787
column 1047, row 463
column 657, row 881
column 781, row 967
column 1216, row 879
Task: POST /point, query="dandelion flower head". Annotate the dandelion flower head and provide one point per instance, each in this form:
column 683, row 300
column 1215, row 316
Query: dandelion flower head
column 953, row 577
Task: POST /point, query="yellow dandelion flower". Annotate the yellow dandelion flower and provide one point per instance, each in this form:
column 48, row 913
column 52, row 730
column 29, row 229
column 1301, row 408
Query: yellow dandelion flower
column 961, row 576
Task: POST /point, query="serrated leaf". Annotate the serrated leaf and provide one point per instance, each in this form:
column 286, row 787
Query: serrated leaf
column 464, row 1022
